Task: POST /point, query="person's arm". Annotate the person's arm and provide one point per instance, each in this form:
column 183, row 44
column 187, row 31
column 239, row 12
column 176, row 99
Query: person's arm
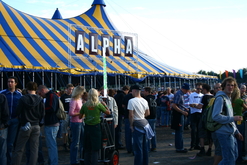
column 72, row 108
column 244, row 107
column 5, row 112
column 147, row 113
column 115, row 113
column 131, row 119
column 176, row 108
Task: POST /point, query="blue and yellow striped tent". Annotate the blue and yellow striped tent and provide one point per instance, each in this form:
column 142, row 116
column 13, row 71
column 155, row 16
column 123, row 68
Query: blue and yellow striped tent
column 30, row 43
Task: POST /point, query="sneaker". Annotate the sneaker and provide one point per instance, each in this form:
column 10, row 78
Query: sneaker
column 182, row 151
column 202, row 152
column 153, row 150
column 209, row 152
column 66, row 148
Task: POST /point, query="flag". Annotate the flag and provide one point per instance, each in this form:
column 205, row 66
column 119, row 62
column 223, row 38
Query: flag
column 241, row 73
column 220, row 75
column 226, row 72
column 234, row 73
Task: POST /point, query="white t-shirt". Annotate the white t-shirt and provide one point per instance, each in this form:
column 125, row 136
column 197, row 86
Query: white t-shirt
column 139, row 106
column 195, row 98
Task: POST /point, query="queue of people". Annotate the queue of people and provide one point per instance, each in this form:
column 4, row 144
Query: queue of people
column 141, row 109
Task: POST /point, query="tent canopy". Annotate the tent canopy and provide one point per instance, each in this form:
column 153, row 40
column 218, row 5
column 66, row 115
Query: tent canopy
column 30, row 43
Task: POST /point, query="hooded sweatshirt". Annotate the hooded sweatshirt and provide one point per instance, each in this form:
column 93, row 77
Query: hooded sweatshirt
column 31, row 109
column 227, row 119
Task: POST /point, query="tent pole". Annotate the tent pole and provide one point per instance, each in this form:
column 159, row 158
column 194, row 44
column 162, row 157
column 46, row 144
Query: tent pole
column 95, row 81
column 116, row 82
column 148, row 81
column 69, row 79
column 13, row 73
column 125, row 80
column 180, row 83
column 81, row 81
column 1, row 80
column 170, row 82
column 43, row 78
column 33, row 76
column 145, row 81
column 84, row 81
column 23, row 79
column 164, row 83
column 159, row 84
column 175, row 83
column 119, row 81
column 91, row 81
column 55, row 81
column 51, row 80
column 154, row 83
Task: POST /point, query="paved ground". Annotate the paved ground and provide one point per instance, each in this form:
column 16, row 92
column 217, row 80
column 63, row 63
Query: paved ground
column 165, row 154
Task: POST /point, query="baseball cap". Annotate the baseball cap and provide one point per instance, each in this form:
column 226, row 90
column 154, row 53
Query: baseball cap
column 186, row 86
column 137, row 87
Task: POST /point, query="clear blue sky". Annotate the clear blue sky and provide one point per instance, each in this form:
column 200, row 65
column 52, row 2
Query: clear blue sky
column 186, row 34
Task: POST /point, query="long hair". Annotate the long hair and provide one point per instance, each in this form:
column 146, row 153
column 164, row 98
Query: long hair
column 235, row 94
column 229, row 79
column 77, row 92
column 93, row 97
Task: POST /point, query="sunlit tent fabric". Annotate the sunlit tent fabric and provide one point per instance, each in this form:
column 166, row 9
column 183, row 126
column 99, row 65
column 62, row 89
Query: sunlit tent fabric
column 36, row 44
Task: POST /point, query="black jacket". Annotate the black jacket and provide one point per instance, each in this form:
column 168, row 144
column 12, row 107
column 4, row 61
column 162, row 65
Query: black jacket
column 51, row 107
column 152, row 108
column 31, row 109
column 119, row 97
column 4, row 111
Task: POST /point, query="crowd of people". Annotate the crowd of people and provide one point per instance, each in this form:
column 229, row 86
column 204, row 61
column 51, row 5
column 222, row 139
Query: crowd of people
column 139, row 110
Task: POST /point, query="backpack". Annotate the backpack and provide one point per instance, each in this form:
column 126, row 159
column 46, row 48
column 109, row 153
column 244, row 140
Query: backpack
column 61, row 114
column 207, row 119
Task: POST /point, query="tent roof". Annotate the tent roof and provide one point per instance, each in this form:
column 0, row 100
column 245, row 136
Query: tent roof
column 30, row 43
column 57, row 15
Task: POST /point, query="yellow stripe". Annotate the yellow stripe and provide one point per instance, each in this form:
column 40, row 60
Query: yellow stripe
column 4, row 60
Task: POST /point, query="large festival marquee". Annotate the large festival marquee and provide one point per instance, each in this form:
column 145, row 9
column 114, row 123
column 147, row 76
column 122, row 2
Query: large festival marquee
column 33, row 44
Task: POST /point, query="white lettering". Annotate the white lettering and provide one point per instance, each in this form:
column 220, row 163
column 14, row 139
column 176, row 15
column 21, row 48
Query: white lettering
column 80, row 43
column 128, row 47
column 106, row 43
column 93, row 47
column 117, row 46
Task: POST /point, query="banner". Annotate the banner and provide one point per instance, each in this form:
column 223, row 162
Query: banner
column 234, row 73
column 226, row 72
column 241, row 73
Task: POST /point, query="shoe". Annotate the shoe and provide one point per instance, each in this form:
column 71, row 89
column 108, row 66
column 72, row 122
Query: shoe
column 208, row 153
column 153, row 150
column 182, row 151
column 202, row 152
column 191, row 149
column 66, row 148
column 197, row 148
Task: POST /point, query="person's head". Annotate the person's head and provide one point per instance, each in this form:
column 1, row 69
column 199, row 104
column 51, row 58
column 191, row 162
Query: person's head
column 235, row 94
column 228, row 85
column 198, row 87
column 206, row 88
column 93, row 97
column 168, row 90
column 77, row 92
column 185, row 88
column 12, row 83
column 42, row 90
column 126, row 89
column 111, row 92
column 85, row 96
column 242, row 89
column 217, row 87
column 147, row 91
column 31, row 86
column 69, row 89
column 136, row 90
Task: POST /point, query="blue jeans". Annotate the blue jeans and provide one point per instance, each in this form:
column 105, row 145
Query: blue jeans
column 239, row 142
column 165, row 117
column 229, row 148
column 128, row 135
column 77, row 132
column 51, row 143
column 158, row 115
column 11, row 137
column 118, row 132
column 3, row 146
column 153, row 140
column 140, row 144
column 179, row 141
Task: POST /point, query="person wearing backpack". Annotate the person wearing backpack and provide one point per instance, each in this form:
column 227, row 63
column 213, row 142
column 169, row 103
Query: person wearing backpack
column 152, row 117
column 225, row 137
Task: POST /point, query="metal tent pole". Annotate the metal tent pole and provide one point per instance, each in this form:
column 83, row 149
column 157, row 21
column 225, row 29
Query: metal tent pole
column 175, row 83
column 91, row 81
column 43, row 78
column 81, row 81
column 55, row 81
column 159, row 84
column 51, row 80
column 33, row 76
column 164, row 83
column 95, row 80
column 125, row 79
column 23, row 80
column 1, row 80
column 84, row 81
column 170, row 82
column 116, row 81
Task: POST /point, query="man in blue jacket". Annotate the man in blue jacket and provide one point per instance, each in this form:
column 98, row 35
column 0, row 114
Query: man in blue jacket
column 224, row 137
column 51, row 122
column 13, row 96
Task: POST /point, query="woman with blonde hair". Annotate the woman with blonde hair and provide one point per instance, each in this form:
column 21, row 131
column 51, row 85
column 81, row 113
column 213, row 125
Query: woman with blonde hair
column 92, row 135
column 239, row 107
column 76, row 124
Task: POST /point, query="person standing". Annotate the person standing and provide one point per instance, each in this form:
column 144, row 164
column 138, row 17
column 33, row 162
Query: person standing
column 226, row 135
column 196, row 115
column 30, row 110
column 119, row 97
column 76, row 124
column 179, row 112
column 152, row 117
column 138, row 110
column 92, row 135
column 13, row 96
column 51, row 122
column 4, row 118
column 165, row 110
column 65, row 98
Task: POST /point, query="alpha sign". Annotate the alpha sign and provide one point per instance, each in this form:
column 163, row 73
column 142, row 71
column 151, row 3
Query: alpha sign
column 105, row 44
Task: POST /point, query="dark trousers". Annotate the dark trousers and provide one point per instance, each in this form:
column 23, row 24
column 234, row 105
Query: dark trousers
column 118, row 132
column 195, row 119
